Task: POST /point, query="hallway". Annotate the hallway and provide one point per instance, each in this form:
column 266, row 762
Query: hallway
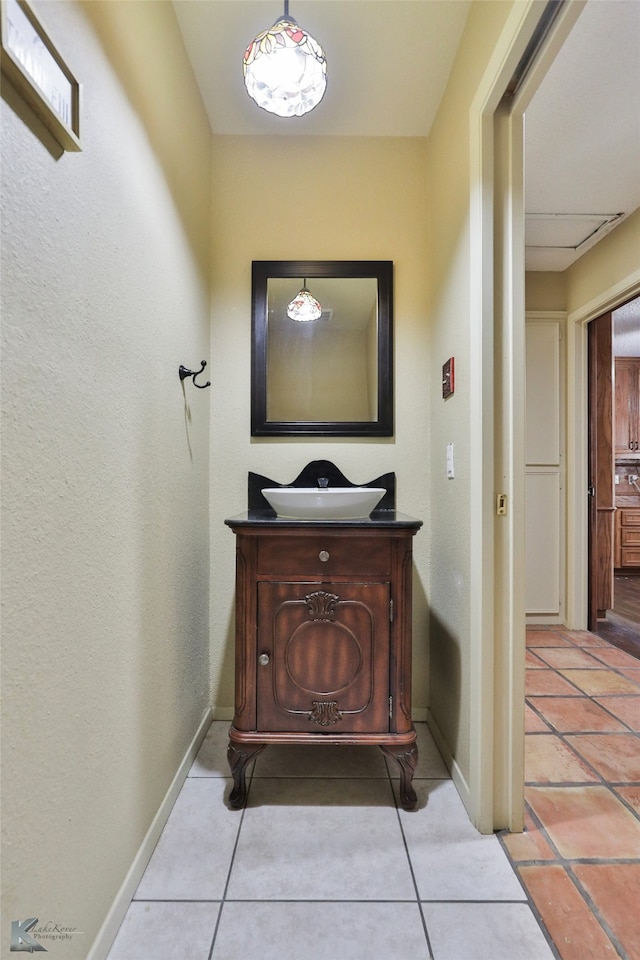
column 579, row 857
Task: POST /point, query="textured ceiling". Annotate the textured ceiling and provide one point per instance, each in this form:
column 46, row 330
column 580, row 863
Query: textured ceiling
column 388, row 64
column 583, row 136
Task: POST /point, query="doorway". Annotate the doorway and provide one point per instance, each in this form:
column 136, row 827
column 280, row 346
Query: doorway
column 614, row 472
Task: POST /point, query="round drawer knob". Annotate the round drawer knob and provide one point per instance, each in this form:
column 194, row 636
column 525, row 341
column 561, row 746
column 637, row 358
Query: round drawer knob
column 323, row 555
column 263, row 659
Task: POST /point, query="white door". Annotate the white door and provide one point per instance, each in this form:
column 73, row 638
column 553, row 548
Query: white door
column 544, row 484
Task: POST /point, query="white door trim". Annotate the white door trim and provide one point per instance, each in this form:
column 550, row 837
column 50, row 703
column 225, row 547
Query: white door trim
column 496, row 779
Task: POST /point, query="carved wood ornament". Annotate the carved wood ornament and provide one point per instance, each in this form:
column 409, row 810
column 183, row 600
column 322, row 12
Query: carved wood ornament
column 325, row 713
column 322, row 605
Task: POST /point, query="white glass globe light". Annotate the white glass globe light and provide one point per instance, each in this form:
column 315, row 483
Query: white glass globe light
column 304, row 306
column 285, row 69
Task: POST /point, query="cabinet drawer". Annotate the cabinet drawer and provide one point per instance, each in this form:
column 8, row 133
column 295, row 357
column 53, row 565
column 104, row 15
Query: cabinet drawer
column 326, row 556
column 630, row 556
column 630, row 516
column 630, row 536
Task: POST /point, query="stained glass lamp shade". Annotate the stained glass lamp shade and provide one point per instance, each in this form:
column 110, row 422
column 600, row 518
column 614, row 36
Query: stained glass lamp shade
column 285, row 69
column 304, row 306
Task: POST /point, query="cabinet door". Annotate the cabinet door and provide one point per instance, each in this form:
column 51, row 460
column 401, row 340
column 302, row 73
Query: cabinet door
column 323, row 657
column 627, row 410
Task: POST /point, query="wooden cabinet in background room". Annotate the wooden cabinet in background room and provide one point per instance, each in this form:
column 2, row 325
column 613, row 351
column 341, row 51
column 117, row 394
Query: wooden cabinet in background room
column 627, row 544
column 627, row 407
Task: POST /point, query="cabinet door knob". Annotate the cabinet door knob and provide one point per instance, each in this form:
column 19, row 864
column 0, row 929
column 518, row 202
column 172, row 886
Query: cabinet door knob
column 323, row 555
column 263, row 659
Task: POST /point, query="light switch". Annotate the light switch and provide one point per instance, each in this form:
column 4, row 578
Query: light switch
column 450, row 467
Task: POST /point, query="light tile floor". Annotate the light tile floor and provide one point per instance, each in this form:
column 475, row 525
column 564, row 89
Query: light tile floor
column 323, row 863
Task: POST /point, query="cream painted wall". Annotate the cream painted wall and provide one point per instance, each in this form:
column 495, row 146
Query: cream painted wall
column 105, row 291
column 606, row 266
column 545, row 291
column 451, row 265
column 315, row 198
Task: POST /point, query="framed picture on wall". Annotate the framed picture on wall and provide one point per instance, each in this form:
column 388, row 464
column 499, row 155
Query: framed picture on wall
column 35, row 68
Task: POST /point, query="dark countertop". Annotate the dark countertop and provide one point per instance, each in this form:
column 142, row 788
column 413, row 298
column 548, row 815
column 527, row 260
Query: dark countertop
column 378, row 519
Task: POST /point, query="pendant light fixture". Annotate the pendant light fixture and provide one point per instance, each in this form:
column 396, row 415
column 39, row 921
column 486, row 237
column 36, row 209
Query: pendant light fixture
column 285, row 69
column 304, row 306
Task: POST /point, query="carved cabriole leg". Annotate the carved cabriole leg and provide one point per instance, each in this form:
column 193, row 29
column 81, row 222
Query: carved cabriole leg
column 238, row 757
column 408, row 760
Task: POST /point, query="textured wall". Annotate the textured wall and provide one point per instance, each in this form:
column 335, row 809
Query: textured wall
column 105, row 491
column 315, row 198
column 451, row 265
column 545, row 291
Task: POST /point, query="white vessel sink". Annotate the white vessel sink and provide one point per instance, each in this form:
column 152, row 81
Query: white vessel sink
column 326, row 503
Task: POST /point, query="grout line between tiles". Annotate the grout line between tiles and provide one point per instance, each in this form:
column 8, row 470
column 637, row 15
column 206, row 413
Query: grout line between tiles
column 315, row 900
column 600, row 665
column 568, row 865
column 579, row 861
column 233, row 856
column 523, row 902
column 629, row 806
column 543, row 830
column 215, row 932
column 586, row 696
column 177, row 900
column 593, row 907
column 562, row 735
column 588, row 784
column 413, row 876
column 531, row 902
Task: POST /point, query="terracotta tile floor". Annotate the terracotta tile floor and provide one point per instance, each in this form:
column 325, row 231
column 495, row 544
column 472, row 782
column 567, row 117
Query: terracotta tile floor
column 579, row 857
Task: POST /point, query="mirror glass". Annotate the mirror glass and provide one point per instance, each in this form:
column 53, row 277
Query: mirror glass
column 330, row 376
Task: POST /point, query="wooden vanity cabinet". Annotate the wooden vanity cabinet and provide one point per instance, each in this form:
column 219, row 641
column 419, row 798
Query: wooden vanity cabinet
column 323, row 640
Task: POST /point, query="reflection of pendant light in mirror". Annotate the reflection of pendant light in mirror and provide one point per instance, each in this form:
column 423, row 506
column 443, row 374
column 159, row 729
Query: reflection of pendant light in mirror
column 304, row 306
column 285, row 70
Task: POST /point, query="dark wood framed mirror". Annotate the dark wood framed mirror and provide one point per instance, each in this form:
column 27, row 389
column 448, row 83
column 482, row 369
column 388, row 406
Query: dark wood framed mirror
column 331, row 376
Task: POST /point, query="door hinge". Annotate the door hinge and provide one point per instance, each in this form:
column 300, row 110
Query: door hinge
column 591, row 490
column 390, row 708
column 390, row 611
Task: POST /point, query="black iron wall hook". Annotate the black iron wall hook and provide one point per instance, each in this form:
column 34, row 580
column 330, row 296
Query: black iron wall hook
column 183, row 373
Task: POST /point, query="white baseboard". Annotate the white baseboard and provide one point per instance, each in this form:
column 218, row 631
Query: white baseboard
column 107, row 933
column 543, row 620
column 451, row 764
